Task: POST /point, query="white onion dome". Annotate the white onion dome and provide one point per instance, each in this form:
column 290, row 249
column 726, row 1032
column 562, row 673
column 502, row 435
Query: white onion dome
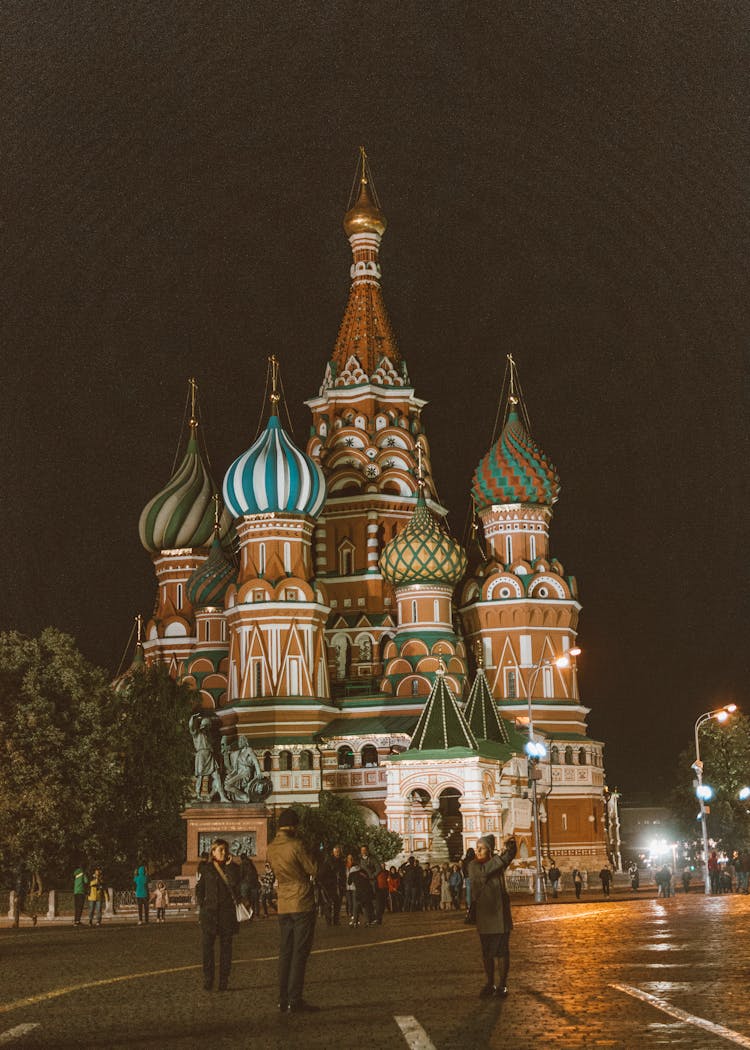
column 274, row 477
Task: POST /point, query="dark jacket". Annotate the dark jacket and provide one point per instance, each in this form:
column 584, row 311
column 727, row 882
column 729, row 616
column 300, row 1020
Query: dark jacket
column 215, row 900
column 332, row 876
column 294, row 869
column 489, row 892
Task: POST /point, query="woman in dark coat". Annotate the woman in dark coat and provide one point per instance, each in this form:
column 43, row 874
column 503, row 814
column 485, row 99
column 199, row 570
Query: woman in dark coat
column 492, row 905
column 216, row 892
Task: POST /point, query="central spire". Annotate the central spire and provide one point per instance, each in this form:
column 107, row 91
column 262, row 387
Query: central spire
column 366, row 350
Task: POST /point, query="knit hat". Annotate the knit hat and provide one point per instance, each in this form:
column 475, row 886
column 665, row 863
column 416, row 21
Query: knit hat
column 288, row 819
column 488, row 841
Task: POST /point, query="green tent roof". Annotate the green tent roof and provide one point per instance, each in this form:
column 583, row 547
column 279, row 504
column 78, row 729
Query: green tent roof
column 481, row 712
column 441, row 724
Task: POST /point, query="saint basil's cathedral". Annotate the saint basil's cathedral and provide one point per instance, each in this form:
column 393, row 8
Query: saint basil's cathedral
column 334, row 630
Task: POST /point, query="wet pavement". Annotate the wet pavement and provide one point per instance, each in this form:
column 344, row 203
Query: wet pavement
column 622, row 973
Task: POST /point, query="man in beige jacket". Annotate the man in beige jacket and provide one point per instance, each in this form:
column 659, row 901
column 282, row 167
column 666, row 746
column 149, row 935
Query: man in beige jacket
column 295, row 871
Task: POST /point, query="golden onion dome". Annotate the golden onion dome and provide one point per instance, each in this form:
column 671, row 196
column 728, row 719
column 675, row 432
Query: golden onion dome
column 422, row 552
column 364, row 216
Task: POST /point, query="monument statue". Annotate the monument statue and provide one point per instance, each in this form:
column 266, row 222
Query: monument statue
column 243, row 779
column 206, row 760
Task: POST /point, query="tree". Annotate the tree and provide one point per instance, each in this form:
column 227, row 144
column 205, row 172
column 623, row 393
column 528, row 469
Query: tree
column 725, row 752
column 155, row 758
column 56, row 768
column 87, row 773
column 338, row 820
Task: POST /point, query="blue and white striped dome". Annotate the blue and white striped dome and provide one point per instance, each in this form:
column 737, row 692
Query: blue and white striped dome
column 274, row 477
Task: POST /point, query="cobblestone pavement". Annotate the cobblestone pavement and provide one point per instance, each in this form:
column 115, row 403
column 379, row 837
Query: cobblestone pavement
column 575, row 971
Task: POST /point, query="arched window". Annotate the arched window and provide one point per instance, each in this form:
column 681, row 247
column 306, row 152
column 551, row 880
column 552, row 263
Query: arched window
column 511, row 685
column 554, row 755
column 267, row 762
column 413, row 612
column 285, row 760
column 258, row 678
column 287, row 557
column 262, row 559
column 415, row 687
column 305, row 760
column 345, row 757
column 581, row 756
column 369, row 755
column 568, row 756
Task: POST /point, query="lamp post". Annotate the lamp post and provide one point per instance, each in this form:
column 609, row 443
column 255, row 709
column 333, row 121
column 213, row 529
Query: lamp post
column 721, row 714
column 535, row 751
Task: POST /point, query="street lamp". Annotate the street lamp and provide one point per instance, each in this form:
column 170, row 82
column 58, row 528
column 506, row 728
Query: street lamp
column 535, row 752
column 703, row 791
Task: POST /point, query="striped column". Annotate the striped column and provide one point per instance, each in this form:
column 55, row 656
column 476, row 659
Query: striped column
column 372, row 541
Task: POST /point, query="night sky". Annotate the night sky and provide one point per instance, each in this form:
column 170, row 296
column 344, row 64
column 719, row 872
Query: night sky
column 564, row 182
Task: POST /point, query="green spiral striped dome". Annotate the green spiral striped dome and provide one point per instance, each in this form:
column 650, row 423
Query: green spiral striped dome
column 182, row 514
column 422, row 552
column 209, row 583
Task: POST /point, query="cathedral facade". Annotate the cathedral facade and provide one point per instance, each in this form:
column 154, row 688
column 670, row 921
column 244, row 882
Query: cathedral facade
column 333, row 628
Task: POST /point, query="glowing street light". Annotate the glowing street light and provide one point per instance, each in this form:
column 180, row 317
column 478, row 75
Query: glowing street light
column 721, row 714
column 744, row 794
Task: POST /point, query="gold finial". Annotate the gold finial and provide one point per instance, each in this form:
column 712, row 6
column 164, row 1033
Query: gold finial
column 139, row 629
column 275, row 395
column 512, row 397
column 441, row 666
column 217, row 512
column 193, row 401
column 420, row 465
column 363, row 156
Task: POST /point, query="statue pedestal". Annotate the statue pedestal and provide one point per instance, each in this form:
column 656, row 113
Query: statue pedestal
column 243, row 824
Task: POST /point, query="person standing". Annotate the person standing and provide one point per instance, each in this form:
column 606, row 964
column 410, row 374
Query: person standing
column 492, row 909
column 381, row 894
column 267, row 883
column 554, row 878
column 713, row 872
column 80, row 885
column 635, row 878
column 97, row 896
column 333, row 884
column 161, row 901
column 216, row 893
column 465, row 865
column 743, row 873
column 577, row 876
column 606, row 876
column 140, row 882
column 295, row 870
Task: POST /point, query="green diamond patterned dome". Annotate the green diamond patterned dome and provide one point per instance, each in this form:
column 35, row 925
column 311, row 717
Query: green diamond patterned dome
column 422, row 552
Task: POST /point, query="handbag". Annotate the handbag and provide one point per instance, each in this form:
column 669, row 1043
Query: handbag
column 241, row 911
column 244, row 914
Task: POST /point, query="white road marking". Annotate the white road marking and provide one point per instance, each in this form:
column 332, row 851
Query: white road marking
column 17, row 1033
column 681, row 1015
column 414, row 1033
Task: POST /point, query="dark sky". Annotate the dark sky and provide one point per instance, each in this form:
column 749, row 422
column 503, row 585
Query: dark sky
column 564, row 182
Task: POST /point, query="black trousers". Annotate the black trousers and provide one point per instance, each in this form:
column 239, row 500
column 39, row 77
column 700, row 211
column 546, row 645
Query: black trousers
column 142, row 903
column 79, row 900
column 297, row 931
column 209, row 934
column 495, row 946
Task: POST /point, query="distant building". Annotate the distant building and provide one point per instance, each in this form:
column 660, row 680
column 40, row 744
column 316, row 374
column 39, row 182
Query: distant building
column 648, row 833
column 327, row 619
